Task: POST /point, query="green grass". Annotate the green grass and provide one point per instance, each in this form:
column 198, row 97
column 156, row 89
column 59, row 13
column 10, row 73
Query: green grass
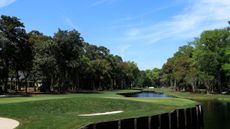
column 61, row 111
column 192, row 96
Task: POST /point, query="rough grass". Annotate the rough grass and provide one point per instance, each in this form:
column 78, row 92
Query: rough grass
column 61, row 111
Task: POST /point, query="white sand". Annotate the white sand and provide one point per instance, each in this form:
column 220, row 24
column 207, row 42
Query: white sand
column 6, row 123
column 99, row 114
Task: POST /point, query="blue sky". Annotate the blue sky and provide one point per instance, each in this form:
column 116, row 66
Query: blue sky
column 147, row 32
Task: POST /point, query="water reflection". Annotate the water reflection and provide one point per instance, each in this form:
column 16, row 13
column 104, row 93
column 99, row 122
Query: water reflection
column 216, row 115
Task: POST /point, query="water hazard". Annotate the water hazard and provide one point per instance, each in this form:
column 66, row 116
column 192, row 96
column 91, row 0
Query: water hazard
column 147, row 94
column 216, row 114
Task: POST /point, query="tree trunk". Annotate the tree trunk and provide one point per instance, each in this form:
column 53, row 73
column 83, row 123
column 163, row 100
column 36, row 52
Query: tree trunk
column 193, row 87
column 18, row 84
column 219, row 82
column 171, row 83
column 35, row 88
column 27, row 85
column 51, row 84
column 6, row 75
column 77, row 82
column 99, row 85
column 175, row 84
column 93, row 84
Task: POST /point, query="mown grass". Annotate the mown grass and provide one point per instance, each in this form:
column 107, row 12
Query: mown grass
column 192, row 96
column 61, row 111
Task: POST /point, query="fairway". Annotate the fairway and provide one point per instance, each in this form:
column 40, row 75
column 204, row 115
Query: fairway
column 62, row 111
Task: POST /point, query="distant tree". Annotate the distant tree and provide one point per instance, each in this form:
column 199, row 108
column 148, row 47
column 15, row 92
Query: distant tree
column 69, row 46
column 226, row 65
column 16, row 49
column 192, row 77
column 167, row 73
column 177, row 67
column 5, row 58
column 61, row 63
column 44, row 63
column 156, row 76
column 153, row 77
column 209, row 55
column 202, row 63
column 132, row 74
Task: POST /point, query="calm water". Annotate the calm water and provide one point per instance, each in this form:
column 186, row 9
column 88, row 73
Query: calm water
column 216, row 114
column 146, row 94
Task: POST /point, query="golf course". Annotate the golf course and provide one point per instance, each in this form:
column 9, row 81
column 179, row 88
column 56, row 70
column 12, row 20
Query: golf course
column 62, row 111
column 114, row 64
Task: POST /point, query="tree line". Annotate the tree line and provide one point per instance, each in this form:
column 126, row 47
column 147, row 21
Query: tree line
column 66, row 63
column 201, row 64
column 61, row 63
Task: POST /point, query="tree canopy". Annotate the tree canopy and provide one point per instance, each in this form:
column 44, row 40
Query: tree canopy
column 62, row 63
column 65, row 62
column 203, row 63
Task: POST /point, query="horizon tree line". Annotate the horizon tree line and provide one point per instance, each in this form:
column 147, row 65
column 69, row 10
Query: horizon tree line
column 65, row 62
column 201, row 64
column 61, row 63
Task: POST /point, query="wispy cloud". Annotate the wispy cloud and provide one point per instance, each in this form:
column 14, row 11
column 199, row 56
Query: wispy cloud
column 123, row 49
column 199, row 15
column 100, row 2
column 143, row 15
column 66, row 19
column 4, row 3
column 69, row 22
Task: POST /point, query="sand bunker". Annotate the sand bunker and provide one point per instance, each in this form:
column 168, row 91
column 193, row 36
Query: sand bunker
column 99, row 114
column 6, row 123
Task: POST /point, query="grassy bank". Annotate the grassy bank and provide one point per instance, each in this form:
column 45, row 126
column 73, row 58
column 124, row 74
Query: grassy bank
column 192, row 96
column 61, row 111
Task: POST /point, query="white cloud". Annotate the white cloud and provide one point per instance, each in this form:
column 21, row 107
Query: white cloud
column 199, row 15
column 4, row 3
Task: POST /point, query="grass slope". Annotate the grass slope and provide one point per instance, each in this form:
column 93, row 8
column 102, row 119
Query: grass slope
column 61, row 111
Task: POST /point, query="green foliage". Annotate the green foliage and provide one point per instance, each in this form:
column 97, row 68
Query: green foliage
column 61, row 63
column 204, row 63
column 16, row 52
column 151, row 77
column 226, row 66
